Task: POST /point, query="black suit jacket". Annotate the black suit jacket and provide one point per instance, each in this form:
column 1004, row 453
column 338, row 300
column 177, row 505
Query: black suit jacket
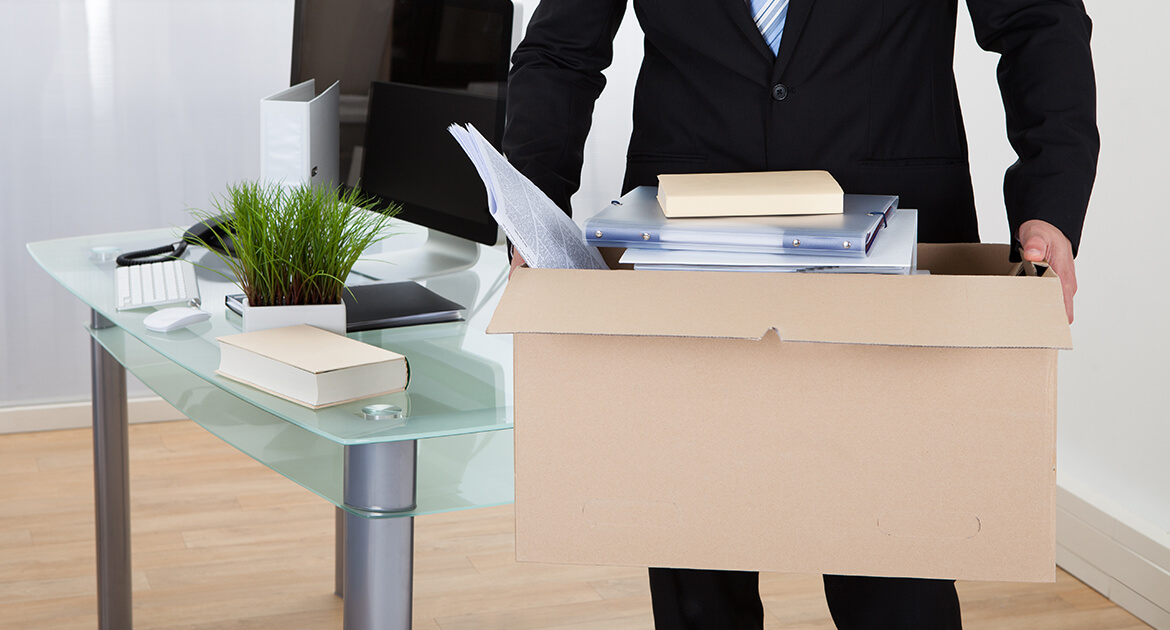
column 862, row 88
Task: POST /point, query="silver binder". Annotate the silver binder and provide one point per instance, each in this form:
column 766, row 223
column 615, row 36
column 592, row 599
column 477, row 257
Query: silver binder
column 895, row 253
column 636, row 221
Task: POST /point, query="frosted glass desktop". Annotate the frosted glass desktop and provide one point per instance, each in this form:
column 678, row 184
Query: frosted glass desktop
column 450, row 450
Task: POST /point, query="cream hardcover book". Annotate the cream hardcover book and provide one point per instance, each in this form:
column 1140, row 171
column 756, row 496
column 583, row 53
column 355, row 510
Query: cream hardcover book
column 311, row 366
column 749, row 194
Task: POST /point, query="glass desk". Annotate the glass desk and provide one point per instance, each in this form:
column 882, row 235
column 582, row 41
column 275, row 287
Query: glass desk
column 450, row 450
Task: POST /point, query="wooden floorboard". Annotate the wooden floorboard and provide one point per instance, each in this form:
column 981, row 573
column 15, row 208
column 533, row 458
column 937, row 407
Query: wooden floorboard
column 221, row 542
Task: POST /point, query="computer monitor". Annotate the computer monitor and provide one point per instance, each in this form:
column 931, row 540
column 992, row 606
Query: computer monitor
column 412, row 160
column 432, row 63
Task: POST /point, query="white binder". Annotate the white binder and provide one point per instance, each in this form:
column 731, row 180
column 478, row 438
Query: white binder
column 299, row 135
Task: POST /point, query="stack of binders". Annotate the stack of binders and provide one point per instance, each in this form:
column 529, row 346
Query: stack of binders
column 870, row 235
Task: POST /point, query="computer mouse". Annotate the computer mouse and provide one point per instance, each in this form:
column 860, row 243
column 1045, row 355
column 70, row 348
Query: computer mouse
column 169, row 319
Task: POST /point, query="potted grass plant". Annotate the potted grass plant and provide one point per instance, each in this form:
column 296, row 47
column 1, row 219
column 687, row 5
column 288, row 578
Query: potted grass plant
column 294, row 247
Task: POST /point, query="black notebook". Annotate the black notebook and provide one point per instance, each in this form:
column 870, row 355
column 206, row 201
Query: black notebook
column 386, row 305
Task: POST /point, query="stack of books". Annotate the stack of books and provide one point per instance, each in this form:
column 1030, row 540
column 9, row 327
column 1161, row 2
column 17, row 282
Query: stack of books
column 829, row 233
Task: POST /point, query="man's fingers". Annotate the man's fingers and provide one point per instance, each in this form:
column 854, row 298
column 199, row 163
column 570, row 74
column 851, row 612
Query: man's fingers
column 1066, row 271
column 1043, row 242
column 1036, row 249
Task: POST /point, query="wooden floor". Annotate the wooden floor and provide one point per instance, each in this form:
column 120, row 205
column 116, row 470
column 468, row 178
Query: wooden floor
column 220, row 542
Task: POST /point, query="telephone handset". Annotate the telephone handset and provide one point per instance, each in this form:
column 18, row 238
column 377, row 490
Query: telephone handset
column 214, row 233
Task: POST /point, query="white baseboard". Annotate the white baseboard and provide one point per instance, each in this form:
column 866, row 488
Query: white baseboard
column 77, row 415
column 1117, row 553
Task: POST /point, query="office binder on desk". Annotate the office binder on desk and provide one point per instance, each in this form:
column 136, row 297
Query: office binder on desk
column 636, row 220
column 299, row 135
column 896, row 252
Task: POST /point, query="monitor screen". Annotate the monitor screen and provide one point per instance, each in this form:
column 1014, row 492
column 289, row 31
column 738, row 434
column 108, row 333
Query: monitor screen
column 459, row 48
column 411, row 159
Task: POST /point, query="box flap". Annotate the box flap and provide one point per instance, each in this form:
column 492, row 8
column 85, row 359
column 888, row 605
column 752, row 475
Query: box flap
column 935, row 310
column 967, row 259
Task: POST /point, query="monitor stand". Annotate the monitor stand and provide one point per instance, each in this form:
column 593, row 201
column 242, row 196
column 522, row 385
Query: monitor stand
column 413, row 252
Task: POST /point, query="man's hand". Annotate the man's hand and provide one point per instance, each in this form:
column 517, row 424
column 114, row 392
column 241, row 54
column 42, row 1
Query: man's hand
column 517, row 261
column 1043, row 242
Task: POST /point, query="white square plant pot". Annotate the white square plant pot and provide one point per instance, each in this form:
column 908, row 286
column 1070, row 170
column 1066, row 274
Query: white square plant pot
column 329, row 317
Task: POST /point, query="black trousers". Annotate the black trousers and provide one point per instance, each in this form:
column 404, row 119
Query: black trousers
column 689, row 599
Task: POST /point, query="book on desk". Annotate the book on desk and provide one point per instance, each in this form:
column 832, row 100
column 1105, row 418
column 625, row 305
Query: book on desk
column 310, row 366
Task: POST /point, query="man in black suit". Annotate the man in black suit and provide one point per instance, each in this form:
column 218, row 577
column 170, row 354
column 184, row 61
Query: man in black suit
column 864, row 89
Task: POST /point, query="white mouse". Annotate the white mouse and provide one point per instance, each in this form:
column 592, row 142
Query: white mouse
column 169, row 319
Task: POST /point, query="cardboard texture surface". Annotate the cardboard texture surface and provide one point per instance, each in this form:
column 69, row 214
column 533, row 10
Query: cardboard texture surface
column 749, row 194
column 910, row 432
column 843, row 308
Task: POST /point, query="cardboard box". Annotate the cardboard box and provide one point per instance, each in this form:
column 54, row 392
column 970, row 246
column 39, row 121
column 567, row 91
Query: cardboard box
column 848, row 424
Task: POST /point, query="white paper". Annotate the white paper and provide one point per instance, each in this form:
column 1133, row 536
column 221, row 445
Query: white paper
column 543, row 234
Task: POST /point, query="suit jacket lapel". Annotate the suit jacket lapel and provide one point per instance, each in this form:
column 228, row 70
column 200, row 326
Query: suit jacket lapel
column 798, row 11
column 741, row 13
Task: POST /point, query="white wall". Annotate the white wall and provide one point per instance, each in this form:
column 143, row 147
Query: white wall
column 116, row 115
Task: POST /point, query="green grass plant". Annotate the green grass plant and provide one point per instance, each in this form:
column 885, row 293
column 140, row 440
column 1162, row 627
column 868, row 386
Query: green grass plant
column 296, row 245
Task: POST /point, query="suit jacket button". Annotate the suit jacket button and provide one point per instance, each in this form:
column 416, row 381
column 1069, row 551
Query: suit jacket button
column 780, row 91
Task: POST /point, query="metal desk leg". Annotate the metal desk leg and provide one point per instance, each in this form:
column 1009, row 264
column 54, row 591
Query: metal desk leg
column 111, row 481
column 379, row 552
column 339, row 552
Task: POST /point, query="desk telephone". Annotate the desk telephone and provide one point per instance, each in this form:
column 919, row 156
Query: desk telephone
column 214, row 233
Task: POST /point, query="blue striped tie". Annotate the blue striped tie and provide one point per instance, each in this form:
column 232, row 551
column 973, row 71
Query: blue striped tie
column 769, row 16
